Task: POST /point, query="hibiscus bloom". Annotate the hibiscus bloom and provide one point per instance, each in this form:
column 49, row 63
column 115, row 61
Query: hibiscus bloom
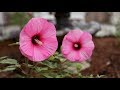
column 38, row 39
column 77, row 46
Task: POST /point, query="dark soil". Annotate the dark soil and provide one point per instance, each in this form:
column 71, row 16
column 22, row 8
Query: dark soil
column 105, row 58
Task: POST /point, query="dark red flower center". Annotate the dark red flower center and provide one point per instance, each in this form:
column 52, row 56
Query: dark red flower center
column 76, row 46
column 35, row 37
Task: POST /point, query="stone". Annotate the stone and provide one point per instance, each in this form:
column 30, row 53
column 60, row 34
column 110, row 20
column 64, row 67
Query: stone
column 115, row 18
column 9, row 32
column 45, row 15
column 101, row 17
column 106, row 30
column 77, row 16
column 91, row 27
column 2, row 20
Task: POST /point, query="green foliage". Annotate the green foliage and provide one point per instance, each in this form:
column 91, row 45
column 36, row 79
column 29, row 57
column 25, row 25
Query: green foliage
column 12, row 64
column 19, row 18
column 55, row 67
column 8, row 61
column 8, row 68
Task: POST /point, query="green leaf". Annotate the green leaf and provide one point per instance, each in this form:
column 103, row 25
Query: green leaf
column 68, row 71
column 8, row 61
column 49, row 64
column 39, row 69
column 4, row 57
column 51, row 58
column 47, row 75
column 8, row 68
column 62, row 60
column 19, row 76
column 63, row 75
column 78, row 66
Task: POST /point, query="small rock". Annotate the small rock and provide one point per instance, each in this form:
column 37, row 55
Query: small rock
column 106, row 30
column 115, row 18
column 9, row 32
column 91, row 27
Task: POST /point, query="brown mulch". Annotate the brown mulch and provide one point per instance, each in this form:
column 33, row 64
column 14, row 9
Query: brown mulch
column 105, row 58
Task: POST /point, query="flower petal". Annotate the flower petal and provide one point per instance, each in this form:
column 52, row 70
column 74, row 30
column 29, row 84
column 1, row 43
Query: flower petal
column 48, row 38
column 74, row 35
column 24, row 37
column 66, row 46
column 48, row 30
column 72, row 56
column 44, row 51
column 50, row 45
column 85, row 53
column 27, row 49
column 38, row 56
column 34, row 26
column 85, row 38
column 89, row 44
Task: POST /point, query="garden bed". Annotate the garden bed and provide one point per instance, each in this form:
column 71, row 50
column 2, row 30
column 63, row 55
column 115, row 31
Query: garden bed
column 105, row 58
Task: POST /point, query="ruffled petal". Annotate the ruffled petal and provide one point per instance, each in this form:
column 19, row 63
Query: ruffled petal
column 66, row 46
column 24, row 37
column 50, row 46
column 89, row 44
column 37, row 55
column 48, row 30
column 27, row 49
column 74, row 35
column 85, row 54
column 72, row 56
column 47, row 49
column 85, row 38
column 34, row 26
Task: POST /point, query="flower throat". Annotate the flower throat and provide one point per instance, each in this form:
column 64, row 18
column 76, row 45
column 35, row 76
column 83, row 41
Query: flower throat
column 36, row 40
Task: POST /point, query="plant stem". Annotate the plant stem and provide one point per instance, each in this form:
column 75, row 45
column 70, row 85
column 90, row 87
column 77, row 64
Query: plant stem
column 26, row 61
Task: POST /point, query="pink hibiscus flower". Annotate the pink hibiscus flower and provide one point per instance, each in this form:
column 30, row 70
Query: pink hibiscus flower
column 77, row 46
column 38, row 39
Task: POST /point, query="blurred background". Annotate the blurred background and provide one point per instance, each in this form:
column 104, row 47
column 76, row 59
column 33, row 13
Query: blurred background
column 104, row 26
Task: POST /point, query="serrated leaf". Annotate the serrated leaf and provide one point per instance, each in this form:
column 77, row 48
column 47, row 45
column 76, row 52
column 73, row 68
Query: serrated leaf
column 9, row 61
